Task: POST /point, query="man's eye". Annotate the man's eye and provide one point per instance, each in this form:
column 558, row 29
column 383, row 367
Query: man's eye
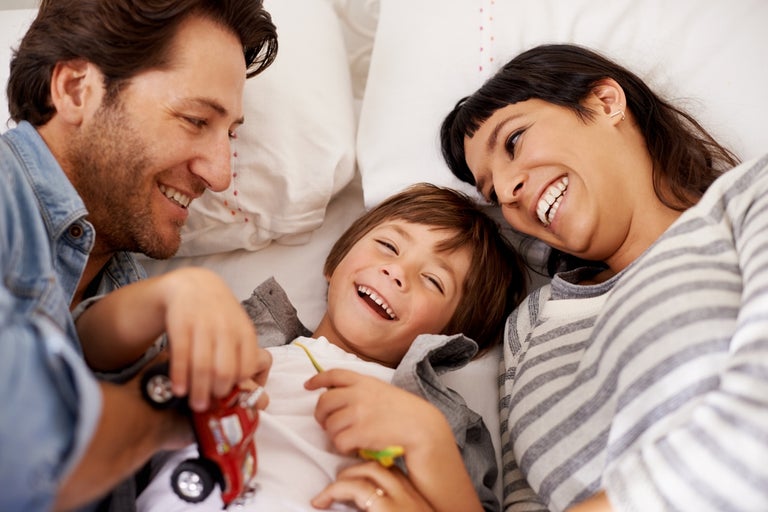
column 196, row 122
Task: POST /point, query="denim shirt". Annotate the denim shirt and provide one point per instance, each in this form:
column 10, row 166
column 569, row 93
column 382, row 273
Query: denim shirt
column 51, row 401
column 429, row 356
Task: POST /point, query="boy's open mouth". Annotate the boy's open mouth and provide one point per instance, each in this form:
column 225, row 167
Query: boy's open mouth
column 376, row 303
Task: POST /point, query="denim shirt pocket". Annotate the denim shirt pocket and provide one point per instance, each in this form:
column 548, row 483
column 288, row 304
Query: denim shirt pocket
column 38, row 292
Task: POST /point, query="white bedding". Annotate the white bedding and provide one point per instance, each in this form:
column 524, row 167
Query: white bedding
column 408, row 65
column 423, row 56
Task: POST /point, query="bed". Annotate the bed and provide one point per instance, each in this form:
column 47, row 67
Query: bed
column 349, row 114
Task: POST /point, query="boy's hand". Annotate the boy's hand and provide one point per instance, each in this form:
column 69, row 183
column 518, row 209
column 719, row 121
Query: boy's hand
column 359, row 411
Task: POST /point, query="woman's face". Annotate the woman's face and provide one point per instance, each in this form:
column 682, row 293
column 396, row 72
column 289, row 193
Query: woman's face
column 574, row 184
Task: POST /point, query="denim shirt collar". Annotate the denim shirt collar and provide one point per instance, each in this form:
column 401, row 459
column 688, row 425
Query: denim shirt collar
column 61, row 207
column 60, row 204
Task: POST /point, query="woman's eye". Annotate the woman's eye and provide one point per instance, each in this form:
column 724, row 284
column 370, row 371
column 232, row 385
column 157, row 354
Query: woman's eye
column 511, row 143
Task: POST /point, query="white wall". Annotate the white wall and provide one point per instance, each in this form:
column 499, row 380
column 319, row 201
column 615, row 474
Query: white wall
column 18, row 4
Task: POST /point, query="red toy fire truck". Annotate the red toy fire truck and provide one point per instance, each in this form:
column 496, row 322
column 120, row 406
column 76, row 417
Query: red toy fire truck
column 225, row 439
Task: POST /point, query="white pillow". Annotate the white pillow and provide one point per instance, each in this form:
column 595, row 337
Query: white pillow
column 297, row 147
column 13, row 25
column 707, row 54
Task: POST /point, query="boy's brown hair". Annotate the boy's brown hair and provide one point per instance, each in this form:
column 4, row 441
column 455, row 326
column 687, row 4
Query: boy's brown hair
column 496, row 281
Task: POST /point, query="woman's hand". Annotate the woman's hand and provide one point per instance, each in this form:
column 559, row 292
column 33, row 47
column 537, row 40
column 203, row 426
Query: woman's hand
column 373, row 488
column 597, row 503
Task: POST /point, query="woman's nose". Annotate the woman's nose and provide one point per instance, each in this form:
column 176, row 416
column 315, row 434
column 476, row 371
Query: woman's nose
column 509, row 187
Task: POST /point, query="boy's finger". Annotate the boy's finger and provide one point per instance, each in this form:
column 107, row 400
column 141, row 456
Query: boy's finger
column 332, row 379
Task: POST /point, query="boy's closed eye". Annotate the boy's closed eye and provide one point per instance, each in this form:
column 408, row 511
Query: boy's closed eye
column 388, row 245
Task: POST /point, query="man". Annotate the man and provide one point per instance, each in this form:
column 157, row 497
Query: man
column 124, row 112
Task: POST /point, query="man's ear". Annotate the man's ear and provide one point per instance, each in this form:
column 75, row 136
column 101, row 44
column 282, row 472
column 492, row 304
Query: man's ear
column 611, row 98
column 75, row 85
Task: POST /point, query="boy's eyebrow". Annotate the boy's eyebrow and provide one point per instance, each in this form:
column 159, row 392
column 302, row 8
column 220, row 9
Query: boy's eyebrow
column 441, row 262
column 402, row 232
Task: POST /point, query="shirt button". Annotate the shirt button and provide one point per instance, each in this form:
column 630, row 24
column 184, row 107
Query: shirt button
column 75, row 231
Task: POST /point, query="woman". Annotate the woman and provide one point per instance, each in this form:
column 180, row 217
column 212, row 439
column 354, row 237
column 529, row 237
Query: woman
column 637, row 379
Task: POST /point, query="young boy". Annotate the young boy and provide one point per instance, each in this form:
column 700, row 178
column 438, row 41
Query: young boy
column 408, row 284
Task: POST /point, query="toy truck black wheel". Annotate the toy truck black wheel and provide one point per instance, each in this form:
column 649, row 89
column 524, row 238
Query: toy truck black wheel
column 156, row 387
column 193, row 480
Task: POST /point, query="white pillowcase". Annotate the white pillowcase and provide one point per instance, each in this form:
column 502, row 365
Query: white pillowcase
column 706, row 56
column 13, row 25
column 296, row 149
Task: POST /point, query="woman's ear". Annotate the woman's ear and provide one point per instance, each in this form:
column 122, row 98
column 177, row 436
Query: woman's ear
column 611, row 98
column 75, row 85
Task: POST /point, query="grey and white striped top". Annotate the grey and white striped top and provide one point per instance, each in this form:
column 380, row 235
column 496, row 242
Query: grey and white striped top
column 654, row 385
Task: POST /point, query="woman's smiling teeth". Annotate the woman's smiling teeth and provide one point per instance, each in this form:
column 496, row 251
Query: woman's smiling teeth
column 366, row 292
column 550, row 201
column 176, row 196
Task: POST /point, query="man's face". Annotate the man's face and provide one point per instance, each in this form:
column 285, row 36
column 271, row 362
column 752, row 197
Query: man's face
column 142, row 158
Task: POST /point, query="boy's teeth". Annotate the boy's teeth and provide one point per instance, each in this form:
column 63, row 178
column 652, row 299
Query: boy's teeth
column 550, row 201
column 172, row 193
column 378, row 300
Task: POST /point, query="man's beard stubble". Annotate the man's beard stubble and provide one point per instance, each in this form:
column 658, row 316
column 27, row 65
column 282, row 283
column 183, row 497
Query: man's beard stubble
column 108, row 162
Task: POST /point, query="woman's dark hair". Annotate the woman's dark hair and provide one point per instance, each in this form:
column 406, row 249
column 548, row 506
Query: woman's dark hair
column 122, row 38
column 496, row 281
column 687, row 159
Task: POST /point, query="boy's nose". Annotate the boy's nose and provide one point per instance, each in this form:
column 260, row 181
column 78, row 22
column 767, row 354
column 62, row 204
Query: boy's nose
column 394, row 274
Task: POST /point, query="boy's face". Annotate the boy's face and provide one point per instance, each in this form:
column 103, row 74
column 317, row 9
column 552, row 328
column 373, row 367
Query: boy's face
column 391, row 286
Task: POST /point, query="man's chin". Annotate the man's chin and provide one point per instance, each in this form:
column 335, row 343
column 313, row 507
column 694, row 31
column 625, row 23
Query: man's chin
column 161, row 249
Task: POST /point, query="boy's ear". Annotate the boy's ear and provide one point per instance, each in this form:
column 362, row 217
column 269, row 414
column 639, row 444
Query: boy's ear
column 75, row 85
column 611, row 98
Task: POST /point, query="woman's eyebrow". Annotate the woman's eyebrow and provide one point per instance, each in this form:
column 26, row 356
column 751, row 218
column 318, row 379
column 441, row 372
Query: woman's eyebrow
column 493, row 138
